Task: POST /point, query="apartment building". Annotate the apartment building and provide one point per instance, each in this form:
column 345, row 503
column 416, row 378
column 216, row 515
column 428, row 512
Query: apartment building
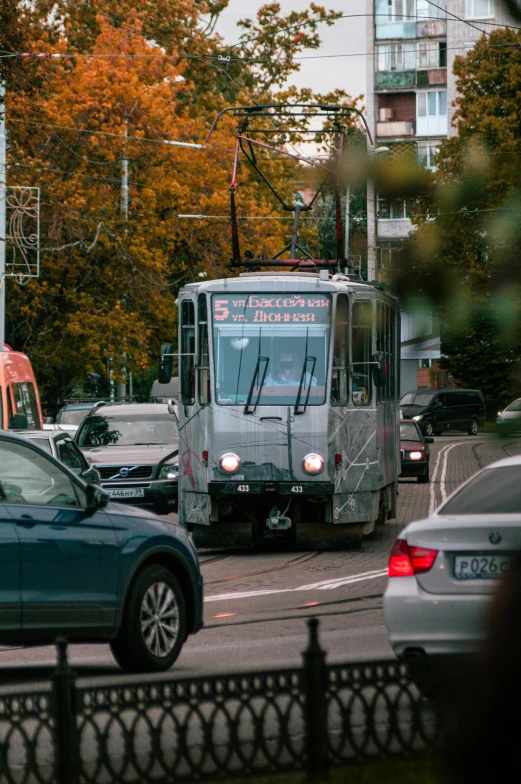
column 411, row 46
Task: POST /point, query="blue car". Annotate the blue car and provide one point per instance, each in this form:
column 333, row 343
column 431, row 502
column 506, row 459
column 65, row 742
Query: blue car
column 74, row 564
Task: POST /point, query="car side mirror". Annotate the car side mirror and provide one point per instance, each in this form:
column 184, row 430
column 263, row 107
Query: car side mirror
column 166, row 363
column 96, row 499
column 18, row 422
column 429, row 440
column 380, row 370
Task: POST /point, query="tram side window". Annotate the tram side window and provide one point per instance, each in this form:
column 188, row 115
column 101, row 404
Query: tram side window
column 361, row 353
column 187, row 352
column 340, row 373
column 380, row 343
column 392, row 354
column 204, row 354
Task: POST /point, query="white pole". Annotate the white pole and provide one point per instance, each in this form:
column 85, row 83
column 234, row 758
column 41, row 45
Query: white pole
column 346, row 233
column 124, row 179
column 3, row 214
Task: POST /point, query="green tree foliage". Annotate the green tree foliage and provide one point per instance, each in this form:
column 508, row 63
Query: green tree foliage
column 464, row 257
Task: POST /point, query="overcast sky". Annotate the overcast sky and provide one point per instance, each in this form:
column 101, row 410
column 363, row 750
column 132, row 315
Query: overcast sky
column 346, row 37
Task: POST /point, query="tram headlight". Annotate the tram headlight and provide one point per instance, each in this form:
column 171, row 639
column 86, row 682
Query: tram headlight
column 229, row 463
column 313, row 463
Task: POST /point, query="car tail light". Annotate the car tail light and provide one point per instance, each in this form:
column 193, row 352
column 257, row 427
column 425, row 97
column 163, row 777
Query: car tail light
column 406, row 561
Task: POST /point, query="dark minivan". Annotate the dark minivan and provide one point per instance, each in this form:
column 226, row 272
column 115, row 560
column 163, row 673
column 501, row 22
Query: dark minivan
column 436, row 410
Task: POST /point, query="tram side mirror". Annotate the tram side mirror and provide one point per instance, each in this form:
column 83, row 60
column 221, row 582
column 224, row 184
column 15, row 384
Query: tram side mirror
column 380, row 370
column 166, row 363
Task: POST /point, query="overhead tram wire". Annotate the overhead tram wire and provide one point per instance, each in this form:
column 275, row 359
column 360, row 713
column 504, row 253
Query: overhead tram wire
column 254, row 60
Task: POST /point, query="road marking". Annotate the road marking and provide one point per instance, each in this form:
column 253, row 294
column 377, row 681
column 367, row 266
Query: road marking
column 441, row 457
column 444, row 471
column 324, row 585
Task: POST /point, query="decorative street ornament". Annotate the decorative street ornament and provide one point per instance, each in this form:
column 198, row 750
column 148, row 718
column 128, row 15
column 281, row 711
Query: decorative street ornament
column 23, row 233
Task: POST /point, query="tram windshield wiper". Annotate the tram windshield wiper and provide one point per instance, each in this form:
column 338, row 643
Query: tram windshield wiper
column 255, row 377
column 312, row 362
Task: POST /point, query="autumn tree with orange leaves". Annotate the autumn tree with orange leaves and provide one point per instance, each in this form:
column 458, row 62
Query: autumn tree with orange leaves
column 120, row 87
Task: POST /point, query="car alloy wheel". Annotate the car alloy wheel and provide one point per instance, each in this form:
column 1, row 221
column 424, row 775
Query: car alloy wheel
column 159, row 619
column 473, row 427
column 153, row 627
column 428, row 429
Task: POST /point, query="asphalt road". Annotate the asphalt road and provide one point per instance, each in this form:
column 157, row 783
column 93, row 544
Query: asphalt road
column 256, row 603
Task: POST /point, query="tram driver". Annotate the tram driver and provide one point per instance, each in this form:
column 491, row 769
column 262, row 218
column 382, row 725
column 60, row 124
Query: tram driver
column 288, row 371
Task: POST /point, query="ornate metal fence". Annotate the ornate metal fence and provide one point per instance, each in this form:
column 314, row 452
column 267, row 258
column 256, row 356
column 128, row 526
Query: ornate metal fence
column 253, row 723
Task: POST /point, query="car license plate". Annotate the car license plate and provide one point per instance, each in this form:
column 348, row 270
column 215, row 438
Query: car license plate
column 125, row 492
column 480, row 567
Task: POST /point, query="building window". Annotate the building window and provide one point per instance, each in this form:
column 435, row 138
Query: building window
column 468, row 46
column 395, row 57
column 426, row 10
column 426, row 152
column 432, row 103
column 392, row 209
column 479, row 9
column 432, row 54
column 401, row 11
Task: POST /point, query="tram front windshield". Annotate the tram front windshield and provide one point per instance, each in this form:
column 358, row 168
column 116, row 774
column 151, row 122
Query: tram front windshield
column 267, row 347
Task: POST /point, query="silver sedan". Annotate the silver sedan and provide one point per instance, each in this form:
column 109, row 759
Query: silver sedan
column 443, row 570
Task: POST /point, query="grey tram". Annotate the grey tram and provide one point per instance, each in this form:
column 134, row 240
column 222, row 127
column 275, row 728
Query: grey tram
column 288, row 407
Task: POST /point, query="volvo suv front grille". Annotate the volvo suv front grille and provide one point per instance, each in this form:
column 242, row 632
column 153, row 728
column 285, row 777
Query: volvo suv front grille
column 126, row 472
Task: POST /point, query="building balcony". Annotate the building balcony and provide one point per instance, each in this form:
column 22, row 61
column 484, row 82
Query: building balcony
column 436, row 125
column 402, row 80
column 394, row 80
column 395, row 128
column 431, row 28
column 392, row 30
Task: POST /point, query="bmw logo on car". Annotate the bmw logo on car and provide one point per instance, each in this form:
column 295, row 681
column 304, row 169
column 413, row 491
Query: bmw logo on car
column 494, row 537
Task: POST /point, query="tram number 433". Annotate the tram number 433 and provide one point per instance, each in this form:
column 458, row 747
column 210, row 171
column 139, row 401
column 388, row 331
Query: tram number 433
column 243, row 488
column 296, row 489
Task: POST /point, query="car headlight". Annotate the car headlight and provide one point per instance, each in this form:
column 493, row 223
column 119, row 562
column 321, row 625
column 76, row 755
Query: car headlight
column 169, row 471
column 229, row 463
column 313, row 463
column 417, row 418
column 416, row 455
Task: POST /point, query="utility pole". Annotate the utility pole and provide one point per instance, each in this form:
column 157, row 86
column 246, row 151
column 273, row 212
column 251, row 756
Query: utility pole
column 346, row 232
column 3, row 214
column 124, row 179
column 121, row 389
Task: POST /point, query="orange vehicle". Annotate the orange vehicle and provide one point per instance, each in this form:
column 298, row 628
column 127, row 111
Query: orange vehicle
column 19, row 399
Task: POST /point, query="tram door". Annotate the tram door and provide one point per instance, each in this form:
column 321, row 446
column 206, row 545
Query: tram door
column 386, row 394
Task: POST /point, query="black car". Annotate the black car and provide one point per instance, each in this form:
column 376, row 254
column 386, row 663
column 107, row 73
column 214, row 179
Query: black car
column 444, row 409
column 134, row 446
column 414, row 451
column 60, row 445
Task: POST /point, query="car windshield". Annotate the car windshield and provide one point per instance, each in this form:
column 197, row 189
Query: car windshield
column 515, row 406
column 274, row 342
column 409, row 432
column 416, row 399
column 127, row 431
column 492, row 491
column 71, row 416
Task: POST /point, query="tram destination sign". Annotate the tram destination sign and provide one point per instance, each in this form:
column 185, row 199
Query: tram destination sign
column 271, row 309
